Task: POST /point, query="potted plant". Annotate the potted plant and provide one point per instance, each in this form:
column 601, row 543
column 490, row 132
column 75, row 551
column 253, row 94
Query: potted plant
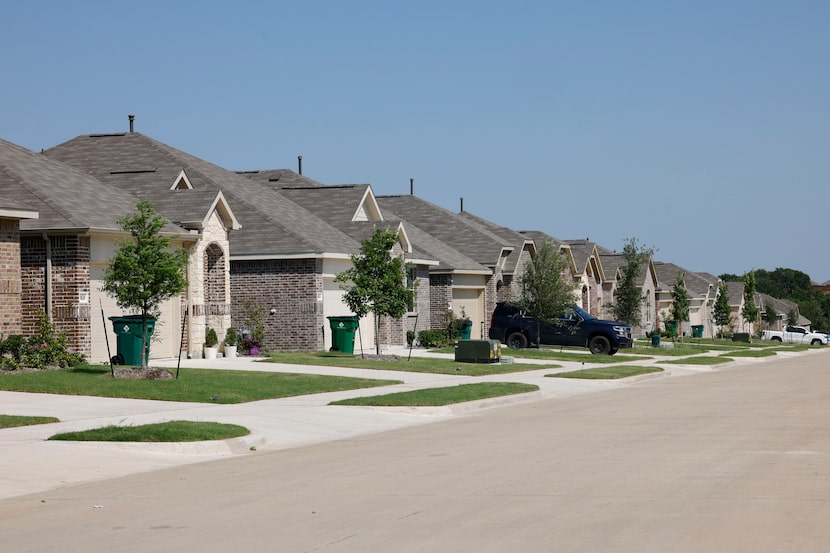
column 251, row 345
column 460, row 327
column 211, row 344
column 231, row 339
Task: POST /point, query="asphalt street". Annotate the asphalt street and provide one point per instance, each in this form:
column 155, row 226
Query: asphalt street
column 734, row 459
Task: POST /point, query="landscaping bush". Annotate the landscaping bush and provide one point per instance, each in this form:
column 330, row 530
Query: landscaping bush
column 45, row 348
column 433, row 339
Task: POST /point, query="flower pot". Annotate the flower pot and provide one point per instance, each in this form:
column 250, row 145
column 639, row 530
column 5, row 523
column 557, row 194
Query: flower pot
column 253, row 351
column 230, row 351
column 210, row 352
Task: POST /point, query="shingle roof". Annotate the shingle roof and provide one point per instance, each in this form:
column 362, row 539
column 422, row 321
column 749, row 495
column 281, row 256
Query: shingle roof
column 280, row 178
column 508, row 235
column 271, row 223
column 582, row 251
column 480, row 245
column 64, row 197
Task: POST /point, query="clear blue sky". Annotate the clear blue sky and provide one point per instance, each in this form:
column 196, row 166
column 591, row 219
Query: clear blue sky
column 701, row 128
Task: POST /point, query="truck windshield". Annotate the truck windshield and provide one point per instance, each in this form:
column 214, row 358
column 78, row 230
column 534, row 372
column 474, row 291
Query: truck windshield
column 582, row 313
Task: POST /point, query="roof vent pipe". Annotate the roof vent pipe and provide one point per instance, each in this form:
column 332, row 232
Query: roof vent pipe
column 300, row 164
column 132, row 123
column 462, row 204
column 411, row 187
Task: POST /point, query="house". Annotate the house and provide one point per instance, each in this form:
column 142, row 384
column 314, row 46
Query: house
column 472, row 260
column 11, row 298
column 277, row 251
column 354, row 210
column 64, row 251
column 613, row 264
column 701, row 290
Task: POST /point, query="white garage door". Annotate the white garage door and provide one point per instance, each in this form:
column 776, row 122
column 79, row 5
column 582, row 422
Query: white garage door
column 166, row 336
column 333, row 306
column 470, row 302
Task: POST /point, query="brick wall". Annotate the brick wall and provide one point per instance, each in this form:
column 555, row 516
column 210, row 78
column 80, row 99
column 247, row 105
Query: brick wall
column 440, row 295
column 290, row 288
column 10, row 298
column 70, row 257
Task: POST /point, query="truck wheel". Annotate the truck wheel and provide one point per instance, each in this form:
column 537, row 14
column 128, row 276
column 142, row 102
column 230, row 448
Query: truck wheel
column 815, row 342
column 775, row 339
column 517, row 340
column 612, row 351
column 599, row 345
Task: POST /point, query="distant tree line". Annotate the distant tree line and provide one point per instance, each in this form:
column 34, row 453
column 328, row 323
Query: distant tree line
column 789, row 284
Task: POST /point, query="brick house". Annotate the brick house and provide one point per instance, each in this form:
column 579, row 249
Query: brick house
column 354, row 210
column 475, row 263
column 62, row 253
column 11, row 299
column 612, row 264
column 701, row 288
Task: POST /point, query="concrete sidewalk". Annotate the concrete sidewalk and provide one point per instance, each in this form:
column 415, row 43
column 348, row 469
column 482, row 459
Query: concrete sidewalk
column 29, row 463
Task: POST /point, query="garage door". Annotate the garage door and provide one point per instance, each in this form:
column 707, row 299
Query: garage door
column 470, row 301
column 166, row 336
column 333, row 306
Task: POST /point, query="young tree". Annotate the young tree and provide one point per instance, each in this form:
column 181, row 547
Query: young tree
column 376, row 280
column 144, row 271
column 721, row 311
column 629, row 300
column 680, row 303
column 544, row 292
column 750, row 311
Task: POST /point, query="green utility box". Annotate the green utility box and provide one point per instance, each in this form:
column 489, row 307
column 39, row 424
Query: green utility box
column 741, row 337
column 342, row 333
column 478, row 351
column 128, row 332
column 697, row 331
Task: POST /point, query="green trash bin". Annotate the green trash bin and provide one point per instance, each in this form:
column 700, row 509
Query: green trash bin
column 128, row 332
column 697, row 331
column 655, row 340
column 342, row 333
column 671, row 326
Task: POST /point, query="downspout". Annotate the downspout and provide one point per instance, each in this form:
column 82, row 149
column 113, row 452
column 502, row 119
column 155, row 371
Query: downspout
column 48, row 277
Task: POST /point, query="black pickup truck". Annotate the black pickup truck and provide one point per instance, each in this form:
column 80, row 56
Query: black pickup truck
column 512, row 326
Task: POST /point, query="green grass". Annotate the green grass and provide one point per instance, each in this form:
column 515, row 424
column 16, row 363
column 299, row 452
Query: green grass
column 608, row 373
column 442, row 396
column 193, row 385
column 557, row 354
column 751, row 353
column 11, row 421
column 700, row 360
column 173, row 431
column 415, row 364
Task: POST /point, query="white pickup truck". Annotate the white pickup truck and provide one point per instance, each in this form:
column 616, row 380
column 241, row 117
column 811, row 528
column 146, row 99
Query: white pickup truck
column 795, row 335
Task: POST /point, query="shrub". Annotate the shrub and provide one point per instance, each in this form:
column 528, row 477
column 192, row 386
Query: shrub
column 211, row 339
column 231, row 337
column 45, row 348
column 433, row 339
column 410, row 337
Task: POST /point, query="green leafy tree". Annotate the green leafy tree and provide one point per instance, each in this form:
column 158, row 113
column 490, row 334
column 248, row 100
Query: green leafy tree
column 376, row 280
column 544, row 291
column 144, row 271
column 629, row 299
column 770, row 315
column 750, row 312
column 792, row 317
column 721, row 311
column 680, row 303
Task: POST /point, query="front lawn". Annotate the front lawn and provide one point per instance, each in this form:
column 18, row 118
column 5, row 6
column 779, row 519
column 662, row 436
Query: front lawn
column 608, row 373
column 415, row 364
column 700, row 360
column 434, row 397
column 193, row 385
